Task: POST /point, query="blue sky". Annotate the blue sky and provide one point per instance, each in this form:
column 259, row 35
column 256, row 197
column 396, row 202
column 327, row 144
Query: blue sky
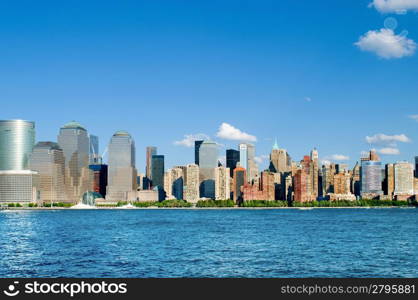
column 161, row 70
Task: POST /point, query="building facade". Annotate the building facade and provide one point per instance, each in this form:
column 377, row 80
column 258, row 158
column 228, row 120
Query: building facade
column 222, row 183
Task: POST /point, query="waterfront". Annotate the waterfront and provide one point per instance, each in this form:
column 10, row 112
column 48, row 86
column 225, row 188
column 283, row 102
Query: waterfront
column 209, row 243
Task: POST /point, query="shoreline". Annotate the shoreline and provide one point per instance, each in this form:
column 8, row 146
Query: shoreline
column 199, row 208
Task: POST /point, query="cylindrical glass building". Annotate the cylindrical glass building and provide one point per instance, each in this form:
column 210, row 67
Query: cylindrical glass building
column 17, row 139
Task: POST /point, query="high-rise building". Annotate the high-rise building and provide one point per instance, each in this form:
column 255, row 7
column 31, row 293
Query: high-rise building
column 47, row 159
column 314, row 171
column 73, row 139
column 416, row 166
column 342, row 183
column 356, row 180
column 222, row 183
column 17, row 139
column 94, row 150
column 197, row 145
column 208, row 161
column 173, row 183
column 240, row 179
column 232, row 160
column 247, row 160
column 100, row 181
column 191, row 183
column 301, row 186
column 389, row 182
column 404, row 179
column 279, row 160
column 150, row 152
column 371, row 178
column 20, row 186
column 157, row 171
column 122, row 182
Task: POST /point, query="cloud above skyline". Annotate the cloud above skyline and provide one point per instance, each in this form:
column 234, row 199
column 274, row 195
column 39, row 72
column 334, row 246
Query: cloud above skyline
column 389, row 151
column 228, row 132
column 384, row 139
column 189, row 139
column 386, row 44
column 395, row 6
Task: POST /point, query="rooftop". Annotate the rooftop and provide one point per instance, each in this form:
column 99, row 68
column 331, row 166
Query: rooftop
column 73, row 125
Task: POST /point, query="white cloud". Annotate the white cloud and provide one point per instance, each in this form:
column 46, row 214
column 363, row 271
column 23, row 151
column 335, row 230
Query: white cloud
column 389, row 151
column 335, row 157
column 386, row 44
column 229, row 132
column 395, row 6
column 262, row 158
column 189, row 139
column 387, row 139
column 414, row 117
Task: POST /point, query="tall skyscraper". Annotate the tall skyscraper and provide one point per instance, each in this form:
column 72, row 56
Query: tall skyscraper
column 173, row 183
column 232, row 160
column 208, row 161
column 247, row 160
column 191, row 183
column 404, row 179
column 240, row 179
column 222, row 183
column 279, row 160
column 389, row 182
column 315, row 172
column 94, row 149
column 157, row 171
column 48, row 160
column 122, row 174
column 17, row 139
column 356, row 180
column 100, row 172
column 371, row 177
column 197, row 145
column 73, row 139
column 17, row 183
column 150, row 152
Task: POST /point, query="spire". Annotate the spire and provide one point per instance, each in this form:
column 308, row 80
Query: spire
column 276, row 145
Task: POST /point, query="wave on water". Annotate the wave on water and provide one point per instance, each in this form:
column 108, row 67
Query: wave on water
column 83, row 206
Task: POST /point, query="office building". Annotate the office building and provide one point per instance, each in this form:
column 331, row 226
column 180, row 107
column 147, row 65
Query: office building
column 279, row 160
column 100, row 181
column 191, row 183
column 197, row 145
column 157, row 171
column 371, row 178
column 404, row 179
column 232, row 160
column 17, row 139
column 47, row 159
column 389, row 182
column 19, row 186
column 94, row 150
column 208, row 161
column 122, row 174
column 173, row 183
column 240, row 179
column 73, row 139
column 222, row 183
column 150, row 152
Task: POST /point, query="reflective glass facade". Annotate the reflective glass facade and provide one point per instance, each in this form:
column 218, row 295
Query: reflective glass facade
column 17, row 138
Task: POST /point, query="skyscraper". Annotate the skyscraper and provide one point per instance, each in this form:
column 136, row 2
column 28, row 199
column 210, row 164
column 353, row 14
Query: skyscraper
column 150, row 152
column 222, row 183
column 173, row 183
column 48, row 160
column 197, row 145
column 157, row 171
column 122, row 174
column 74, row 141
column 404, row 179
column 315, row 172
column 17, row 183
column 240, row 179
column 279, row 160
column 208, row 161
column 247, row 160
column 17, row 139
column 191, row 183
column 232, row 160
column 389, row 182
column 371, row 178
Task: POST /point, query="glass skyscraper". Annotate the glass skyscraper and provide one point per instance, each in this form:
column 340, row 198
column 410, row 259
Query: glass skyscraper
column 371, row 177
column 197, row 145
column 94, row 149
column 208, row 161
column 17, row 139
column 122, row 174
column 73, row 139
column 232, row 160
column 157, row 171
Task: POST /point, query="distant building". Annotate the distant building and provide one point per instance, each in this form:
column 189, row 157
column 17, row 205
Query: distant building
column 191, row 183
column 19, row 186
column 73, row 139
column 279, row 160
column 356, row 180
column 100, row 172
column 404, row 179
column 247, row 160
column 301, row 183
column 314, row 172
column 122, row 174
column 173, row 183
column 389, row 182
column 232, row 160
column 416, row 166
column 371, row 179
column 157, row 171
column 208, row 161
column 240, row 179
column 197, row 145
column 17, row 138
column 151, row 151
column 342, row 183
column 47, row 159
column 222, row 183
